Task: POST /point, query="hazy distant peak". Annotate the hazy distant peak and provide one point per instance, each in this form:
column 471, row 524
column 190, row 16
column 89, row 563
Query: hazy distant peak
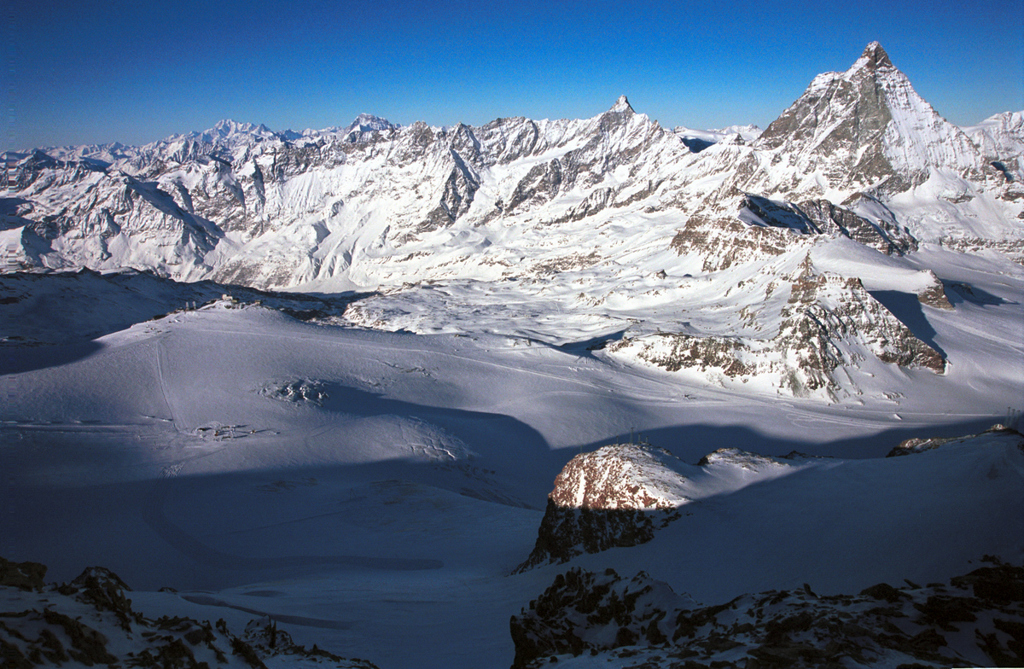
column 367, row 123
column 227, row 127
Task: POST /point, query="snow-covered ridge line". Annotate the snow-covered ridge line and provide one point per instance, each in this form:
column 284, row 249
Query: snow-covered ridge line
column 600, row 229
column 308, row 209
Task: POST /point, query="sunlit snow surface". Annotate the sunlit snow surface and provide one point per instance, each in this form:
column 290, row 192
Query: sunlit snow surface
column 365, row 486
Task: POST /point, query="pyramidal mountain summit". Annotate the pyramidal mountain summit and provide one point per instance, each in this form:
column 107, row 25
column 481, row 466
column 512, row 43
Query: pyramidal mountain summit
column 865, row 130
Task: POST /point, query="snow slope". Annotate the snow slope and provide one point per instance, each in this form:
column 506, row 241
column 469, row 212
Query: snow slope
column 360, row 486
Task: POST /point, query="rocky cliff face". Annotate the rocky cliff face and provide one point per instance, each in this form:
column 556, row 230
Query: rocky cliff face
column 826, row 324
column 863, row 130
column 614, row 497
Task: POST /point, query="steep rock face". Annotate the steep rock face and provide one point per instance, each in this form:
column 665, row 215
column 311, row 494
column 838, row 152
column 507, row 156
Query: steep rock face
column 865, row 129
column 613, row 497
column 824, row 218
column 760, row 228
column 974, row 621
column 827, row 323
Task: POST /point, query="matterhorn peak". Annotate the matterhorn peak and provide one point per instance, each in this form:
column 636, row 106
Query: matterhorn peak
column 874, row 57
column 865, row 129
column 622, row 105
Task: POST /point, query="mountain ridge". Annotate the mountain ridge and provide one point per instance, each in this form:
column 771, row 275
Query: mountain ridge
column 608, row 221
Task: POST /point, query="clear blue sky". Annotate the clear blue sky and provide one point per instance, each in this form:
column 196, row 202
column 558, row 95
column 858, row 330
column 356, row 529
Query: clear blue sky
column 81, row 71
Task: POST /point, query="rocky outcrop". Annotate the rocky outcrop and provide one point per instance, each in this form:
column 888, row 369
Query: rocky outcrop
column 565, row 533
column 825, row 218
column 614, row 497
column 921, row 444
column 976, row 619
column 724, row 241
column 582, row 612
column 934, row 295
column 22, row 575
column 828, row 322
column 90, row 621
column 619, row 495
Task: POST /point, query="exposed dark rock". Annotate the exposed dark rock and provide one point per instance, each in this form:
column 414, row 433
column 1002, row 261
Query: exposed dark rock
column 265, row 640
column 726, row 241
column 883, row 591
column 22, row 575
column 935, row 296
column 565, row 532
column 54, row 628
column 828, row 322
column 104, row 590
column 920, row 445
column 643, row 620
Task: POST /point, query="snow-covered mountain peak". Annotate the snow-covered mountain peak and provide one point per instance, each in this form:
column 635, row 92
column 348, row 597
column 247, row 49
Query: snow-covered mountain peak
column 1000, row 139
column 368, row 123
column 228, row 131
column 622, row 105
column 862, row 130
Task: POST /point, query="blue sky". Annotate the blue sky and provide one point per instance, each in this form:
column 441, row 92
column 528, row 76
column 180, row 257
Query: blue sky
column 90, row 72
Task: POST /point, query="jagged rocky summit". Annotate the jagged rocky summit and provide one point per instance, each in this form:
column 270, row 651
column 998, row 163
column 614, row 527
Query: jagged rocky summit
column 596, row 220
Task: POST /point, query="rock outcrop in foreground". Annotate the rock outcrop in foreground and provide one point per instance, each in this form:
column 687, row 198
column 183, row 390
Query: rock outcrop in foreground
column 975, row 620
column 90, row 621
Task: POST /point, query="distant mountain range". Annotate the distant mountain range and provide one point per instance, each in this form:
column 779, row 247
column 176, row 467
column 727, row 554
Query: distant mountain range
column 631, row 228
